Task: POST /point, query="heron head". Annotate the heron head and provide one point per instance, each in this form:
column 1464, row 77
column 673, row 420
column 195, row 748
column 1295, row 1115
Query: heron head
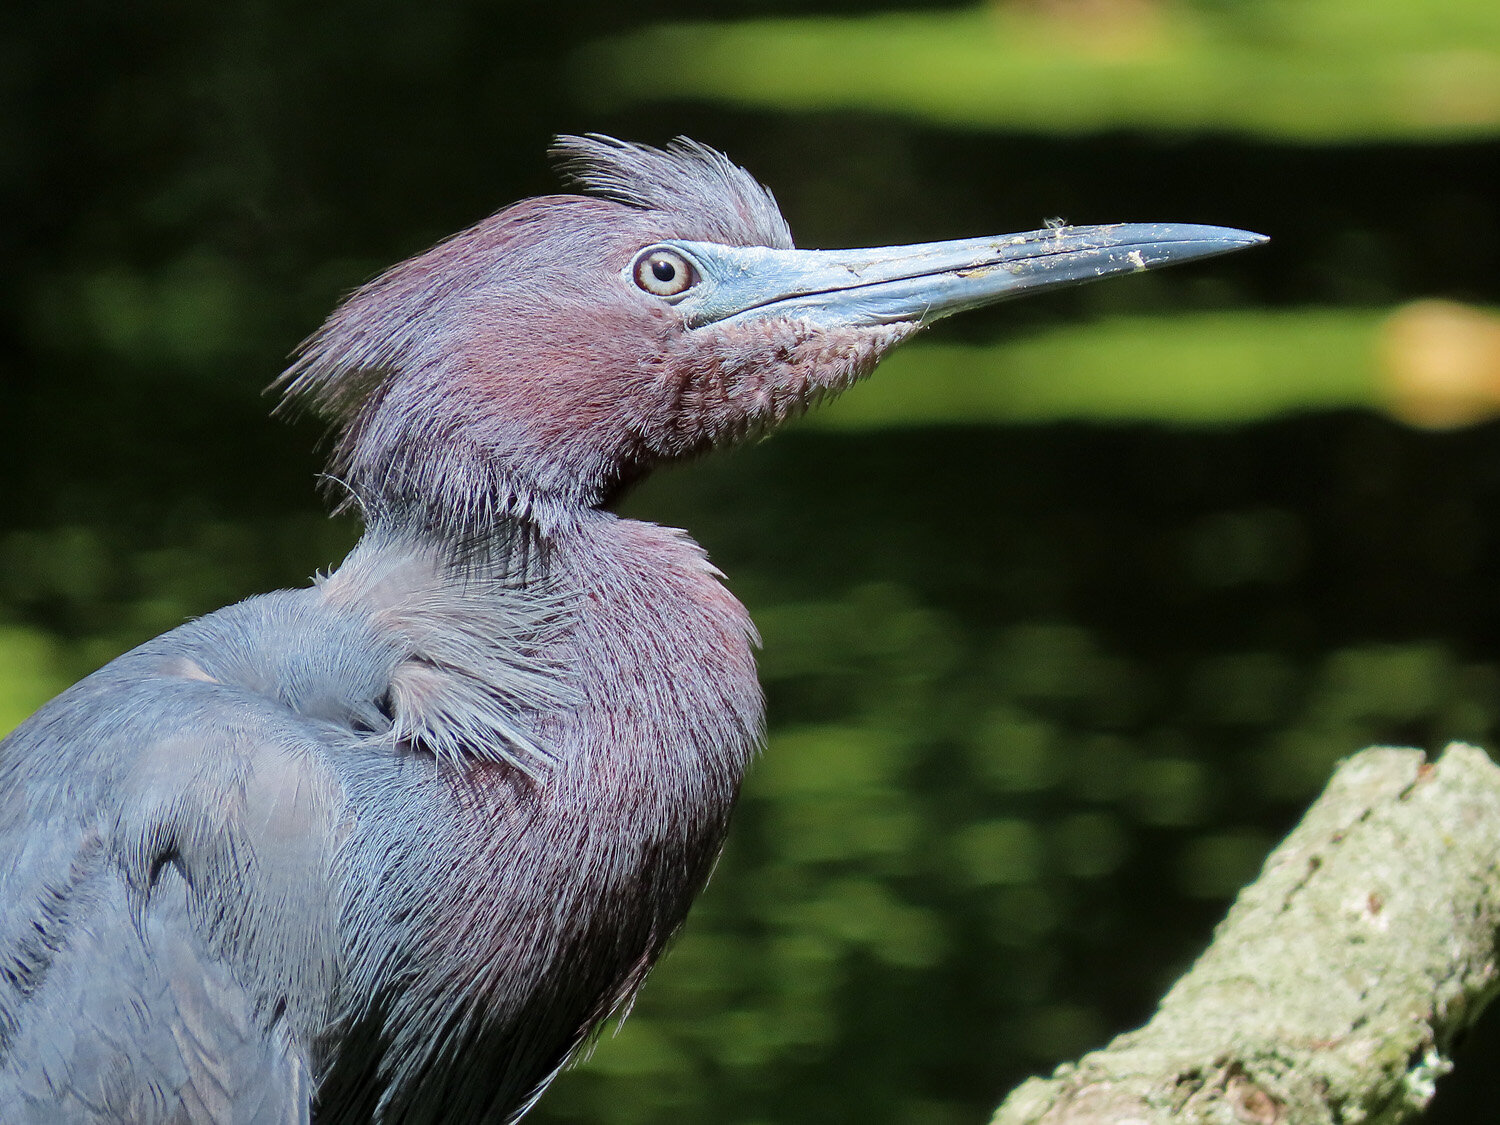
column 534, row 365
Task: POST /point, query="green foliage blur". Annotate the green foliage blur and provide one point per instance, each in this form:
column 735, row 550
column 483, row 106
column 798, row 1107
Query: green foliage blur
column 1311, row 70
column 1067, row 614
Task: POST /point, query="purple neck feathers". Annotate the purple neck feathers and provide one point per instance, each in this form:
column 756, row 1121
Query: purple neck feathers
column 519, row 949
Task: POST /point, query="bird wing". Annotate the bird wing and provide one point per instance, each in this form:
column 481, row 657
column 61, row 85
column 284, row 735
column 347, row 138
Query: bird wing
column 181, row 840
column 167, row 932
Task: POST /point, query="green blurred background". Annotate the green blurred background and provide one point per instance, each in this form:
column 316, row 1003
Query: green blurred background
column 1068, row 613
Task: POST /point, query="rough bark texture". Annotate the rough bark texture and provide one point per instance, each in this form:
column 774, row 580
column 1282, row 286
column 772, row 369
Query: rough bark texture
column 1332, row 990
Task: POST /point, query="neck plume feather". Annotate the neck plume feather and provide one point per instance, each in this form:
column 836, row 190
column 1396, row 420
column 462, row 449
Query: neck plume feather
column 480, row 647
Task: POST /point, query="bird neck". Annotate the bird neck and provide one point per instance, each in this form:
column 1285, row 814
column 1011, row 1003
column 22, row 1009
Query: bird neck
column 633, row 618
column 663, row 649
column 542, row 902
column 472, row 471
column 494, row 530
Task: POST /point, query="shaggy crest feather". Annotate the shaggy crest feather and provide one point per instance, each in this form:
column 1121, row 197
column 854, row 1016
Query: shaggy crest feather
column 695, row 183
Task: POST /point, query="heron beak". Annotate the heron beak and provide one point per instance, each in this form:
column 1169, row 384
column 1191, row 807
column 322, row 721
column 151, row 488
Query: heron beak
column 924, row 282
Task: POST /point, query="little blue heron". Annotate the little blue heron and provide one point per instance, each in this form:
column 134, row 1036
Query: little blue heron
column 389, row 848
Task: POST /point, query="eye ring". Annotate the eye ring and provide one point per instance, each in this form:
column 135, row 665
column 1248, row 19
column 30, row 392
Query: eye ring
column 664, row 273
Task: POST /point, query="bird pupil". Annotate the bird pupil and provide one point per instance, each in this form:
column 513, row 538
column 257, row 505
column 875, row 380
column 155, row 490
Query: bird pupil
column 663, row 270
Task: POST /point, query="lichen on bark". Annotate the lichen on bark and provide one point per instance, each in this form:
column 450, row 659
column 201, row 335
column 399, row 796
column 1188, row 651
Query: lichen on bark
column 1332, row 990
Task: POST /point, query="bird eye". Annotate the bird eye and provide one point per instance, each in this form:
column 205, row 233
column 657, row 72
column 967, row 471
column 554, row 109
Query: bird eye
column 664, row 273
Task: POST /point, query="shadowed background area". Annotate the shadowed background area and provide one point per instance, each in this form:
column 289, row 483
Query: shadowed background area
column 1067, row 613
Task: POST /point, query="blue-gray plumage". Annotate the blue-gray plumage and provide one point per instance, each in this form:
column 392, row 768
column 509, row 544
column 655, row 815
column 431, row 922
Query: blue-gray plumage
column 390, row 847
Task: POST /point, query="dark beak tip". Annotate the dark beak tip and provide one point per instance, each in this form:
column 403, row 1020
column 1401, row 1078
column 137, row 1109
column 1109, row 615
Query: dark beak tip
column 1207, row 242
column 1242, row 239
